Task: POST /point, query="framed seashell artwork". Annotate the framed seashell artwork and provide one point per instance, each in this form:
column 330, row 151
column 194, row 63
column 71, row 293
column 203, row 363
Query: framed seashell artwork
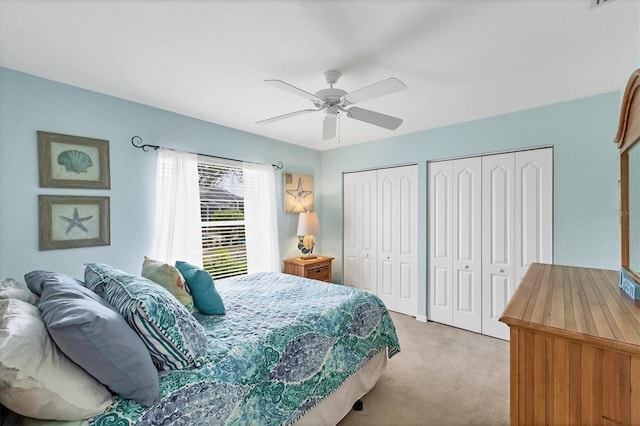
column 67, row 161
column 68, row 221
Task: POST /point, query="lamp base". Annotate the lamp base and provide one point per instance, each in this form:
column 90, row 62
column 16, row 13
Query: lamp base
column 308, row 257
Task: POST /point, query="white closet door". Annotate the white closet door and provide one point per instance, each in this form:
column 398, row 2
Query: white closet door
column 533, row 209
column 490, row 217
column 498, row 266
column 467, row 244
column 368, row 224
column 351, row 227
column 397, row 238
column 359, row 222
column 388, row 199
column 440, row 177
column 407, row 244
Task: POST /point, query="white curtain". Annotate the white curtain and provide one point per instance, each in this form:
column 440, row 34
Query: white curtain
column 260, row 218
column 177, row 231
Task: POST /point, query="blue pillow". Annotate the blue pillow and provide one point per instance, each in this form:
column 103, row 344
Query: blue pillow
column 203, row 290
column 174, row 338
column 96, row 337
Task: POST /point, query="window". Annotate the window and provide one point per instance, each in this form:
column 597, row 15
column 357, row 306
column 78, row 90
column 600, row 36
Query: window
column 224, row 249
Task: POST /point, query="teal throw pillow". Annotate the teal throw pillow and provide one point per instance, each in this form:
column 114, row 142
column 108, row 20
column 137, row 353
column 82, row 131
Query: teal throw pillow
column 204, row 293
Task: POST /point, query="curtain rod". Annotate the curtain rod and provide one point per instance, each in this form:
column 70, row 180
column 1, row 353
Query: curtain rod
column 136, row 141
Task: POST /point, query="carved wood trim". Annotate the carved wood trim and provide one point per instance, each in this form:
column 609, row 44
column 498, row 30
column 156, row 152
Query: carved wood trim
column 629, row 123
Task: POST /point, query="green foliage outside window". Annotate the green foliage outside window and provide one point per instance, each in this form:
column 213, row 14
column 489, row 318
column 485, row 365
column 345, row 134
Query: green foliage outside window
column 223, row 264
column 219, row 215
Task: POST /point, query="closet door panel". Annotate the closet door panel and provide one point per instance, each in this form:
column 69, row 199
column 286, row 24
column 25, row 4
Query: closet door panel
column 359, row 223
column 351, row 229
column 464, row 296
column 368, row 274
column 387, row 208
column 407, row 241
column 387, row 292
column 368, row 212
column 350, row 265
column 407, row 288
column 368, row 227
column 533, row 209
column 500, row 294
column 467, row 247
column 440, row 296
column 497, row 241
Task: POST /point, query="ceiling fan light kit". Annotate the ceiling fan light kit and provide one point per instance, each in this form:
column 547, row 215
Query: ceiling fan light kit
column 333, row 100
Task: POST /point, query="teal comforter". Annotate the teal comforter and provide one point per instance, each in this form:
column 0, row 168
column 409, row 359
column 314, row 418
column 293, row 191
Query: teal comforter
column 285, row 344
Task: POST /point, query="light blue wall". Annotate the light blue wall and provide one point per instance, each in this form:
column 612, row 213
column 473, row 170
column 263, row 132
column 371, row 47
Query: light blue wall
column 585, row 183
column 29, row 104
column 586, row 230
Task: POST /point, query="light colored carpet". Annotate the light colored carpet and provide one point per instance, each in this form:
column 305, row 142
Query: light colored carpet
column 442, row 376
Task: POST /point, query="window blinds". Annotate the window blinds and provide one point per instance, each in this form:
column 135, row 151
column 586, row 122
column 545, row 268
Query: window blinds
column 222, row 216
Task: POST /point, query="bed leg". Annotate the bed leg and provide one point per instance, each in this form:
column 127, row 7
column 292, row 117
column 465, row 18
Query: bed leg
column 357, row 406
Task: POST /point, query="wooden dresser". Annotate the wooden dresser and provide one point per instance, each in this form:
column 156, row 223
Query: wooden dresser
column 575, row 348
column 317, row 269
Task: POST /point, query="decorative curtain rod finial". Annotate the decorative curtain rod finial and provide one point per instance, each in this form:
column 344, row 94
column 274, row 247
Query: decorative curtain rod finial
column 137, row 142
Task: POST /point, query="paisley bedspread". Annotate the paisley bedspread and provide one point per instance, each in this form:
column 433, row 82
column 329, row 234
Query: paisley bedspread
column 284, row 344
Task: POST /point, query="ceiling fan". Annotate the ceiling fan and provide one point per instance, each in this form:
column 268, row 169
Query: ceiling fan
column 333, row 100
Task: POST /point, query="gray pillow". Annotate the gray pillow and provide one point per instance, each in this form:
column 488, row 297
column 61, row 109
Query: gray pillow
column 95, row 336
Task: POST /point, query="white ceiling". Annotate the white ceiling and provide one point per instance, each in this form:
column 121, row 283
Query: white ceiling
column 461, row 59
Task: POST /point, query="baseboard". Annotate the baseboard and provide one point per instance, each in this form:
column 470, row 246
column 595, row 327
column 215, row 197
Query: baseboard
column 421, row 318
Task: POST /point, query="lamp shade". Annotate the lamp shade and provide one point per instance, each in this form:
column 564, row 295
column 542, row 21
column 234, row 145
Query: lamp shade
column 308, row 224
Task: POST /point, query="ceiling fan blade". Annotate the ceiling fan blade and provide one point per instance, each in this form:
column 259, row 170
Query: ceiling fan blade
column 292, row 89
column 381, row 88
column 375, row 118
column 287, row 115
column 329, row 126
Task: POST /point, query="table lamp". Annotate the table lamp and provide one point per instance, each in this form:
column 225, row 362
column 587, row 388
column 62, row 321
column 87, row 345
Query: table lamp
column 308, row 226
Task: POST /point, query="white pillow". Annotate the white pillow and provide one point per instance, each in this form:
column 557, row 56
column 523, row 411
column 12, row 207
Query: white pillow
column 36, row 378
column 12, row 289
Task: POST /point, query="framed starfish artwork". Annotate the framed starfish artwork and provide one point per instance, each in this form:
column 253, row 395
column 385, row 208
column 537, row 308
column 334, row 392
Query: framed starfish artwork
column 298, row 193
column 73, row 221
column 66, row 161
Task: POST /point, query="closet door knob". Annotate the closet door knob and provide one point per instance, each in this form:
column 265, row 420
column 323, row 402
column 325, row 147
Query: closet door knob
column 501, row 270
column 388, row 257
column 466, row 266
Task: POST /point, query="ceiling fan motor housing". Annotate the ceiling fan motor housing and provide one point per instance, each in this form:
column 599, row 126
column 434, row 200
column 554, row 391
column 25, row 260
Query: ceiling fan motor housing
column 329, row 96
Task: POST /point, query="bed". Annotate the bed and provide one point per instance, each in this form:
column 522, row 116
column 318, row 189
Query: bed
column 288, row 350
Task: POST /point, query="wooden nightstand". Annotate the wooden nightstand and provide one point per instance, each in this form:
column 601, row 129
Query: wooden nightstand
column 316, row 269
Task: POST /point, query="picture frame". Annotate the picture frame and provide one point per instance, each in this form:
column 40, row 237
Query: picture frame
column 66, row 161
column 67, row 221
column 298, row 192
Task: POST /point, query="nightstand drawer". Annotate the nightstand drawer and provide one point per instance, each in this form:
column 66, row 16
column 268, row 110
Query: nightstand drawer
column 320, row 273
column 318, row 268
